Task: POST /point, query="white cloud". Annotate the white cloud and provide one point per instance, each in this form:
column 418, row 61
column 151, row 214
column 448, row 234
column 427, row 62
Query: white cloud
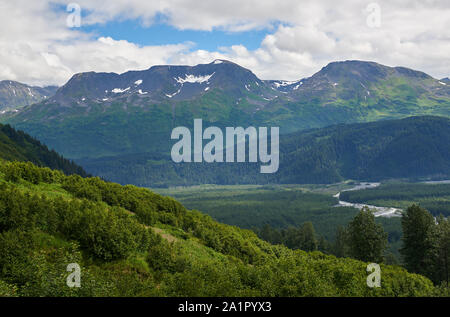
column 37, row 47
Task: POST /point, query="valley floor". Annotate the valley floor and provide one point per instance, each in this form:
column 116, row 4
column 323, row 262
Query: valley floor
column 326, row 206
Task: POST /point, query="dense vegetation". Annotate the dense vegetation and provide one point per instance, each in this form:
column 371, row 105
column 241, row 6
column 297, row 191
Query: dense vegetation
column 426, row 244
column 409, row 148
column 412, row 148
column 130, row 241
column 305, row 237
column 19, row 146
column 256, row 206
column 280, row 211
column 433, row 197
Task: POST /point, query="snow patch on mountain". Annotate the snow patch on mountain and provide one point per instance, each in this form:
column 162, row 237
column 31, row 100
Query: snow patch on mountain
column 298, row 86
column 174, row 94
column 283, row 83
column 194, row 79
column 119, row 91
column 138, row 82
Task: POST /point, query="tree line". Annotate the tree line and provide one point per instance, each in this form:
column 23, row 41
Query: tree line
column 425, row 242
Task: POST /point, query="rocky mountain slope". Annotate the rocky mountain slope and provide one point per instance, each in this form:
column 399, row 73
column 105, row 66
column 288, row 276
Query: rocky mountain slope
column 14, row 95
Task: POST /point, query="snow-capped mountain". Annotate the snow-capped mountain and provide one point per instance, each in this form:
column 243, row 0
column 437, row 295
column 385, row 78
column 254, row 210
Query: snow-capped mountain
column 161, row 83
column 107, row 114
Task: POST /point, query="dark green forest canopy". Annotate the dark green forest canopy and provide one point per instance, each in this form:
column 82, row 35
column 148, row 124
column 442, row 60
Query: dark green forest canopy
column 411, row 148
column 19, row 146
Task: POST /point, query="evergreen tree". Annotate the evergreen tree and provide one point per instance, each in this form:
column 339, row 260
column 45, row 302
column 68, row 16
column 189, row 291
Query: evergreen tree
column 367, row 239
column 418, row 240
column 323, row 245
column 443, row 251
column 308, row 239
column 340, row 248
column 266, row 233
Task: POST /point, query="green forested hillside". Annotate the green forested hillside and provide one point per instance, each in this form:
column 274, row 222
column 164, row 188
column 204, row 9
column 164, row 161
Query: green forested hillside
column 415, row 147
column 19, row 146
column 130, row 241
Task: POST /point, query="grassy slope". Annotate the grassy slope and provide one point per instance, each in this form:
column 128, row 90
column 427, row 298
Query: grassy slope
column 204, row 258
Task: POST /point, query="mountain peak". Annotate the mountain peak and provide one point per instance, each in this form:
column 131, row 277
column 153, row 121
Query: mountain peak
column 220, row 61
column 356, row 73
column 160, row 82
column 355, row 67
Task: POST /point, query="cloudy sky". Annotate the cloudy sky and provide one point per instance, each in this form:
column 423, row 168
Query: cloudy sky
column 41, row 42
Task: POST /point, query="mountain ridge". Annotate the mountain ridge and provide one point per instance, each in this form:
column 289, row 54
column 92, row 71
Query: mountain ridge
column 157, row 82
column 14, row 95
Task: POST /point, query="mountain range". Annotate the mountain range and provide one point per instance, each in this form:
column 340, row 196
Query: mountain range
column 118, row 119
column 130, row 241
column 14, row 95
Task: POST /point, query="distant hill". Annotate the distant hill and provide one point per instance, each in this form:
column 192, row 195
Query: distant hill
column 414, row 147
column 14, row 95
column 411, row 148
column 19, row 146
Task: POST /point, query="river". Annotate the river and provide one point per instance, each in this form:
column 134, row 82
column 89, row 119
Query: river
column 387, row 212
